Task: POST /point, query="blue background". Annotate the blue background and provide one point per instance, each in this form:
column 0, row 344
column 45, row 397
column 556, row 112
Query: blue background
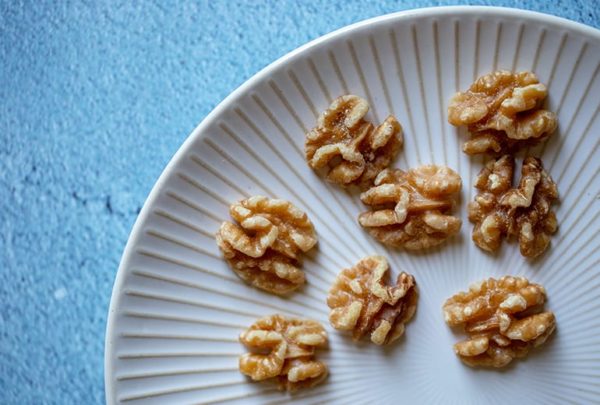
column 95, row 98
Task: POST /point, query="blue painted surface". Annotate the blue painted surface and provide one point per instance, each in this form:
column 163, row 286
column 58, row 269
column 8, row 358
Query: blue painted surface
column 95, row 97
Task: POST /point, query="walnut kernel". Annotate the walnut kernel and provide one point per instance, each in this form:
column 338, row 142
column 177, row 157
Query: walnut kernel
column 503, row 319
column 410, row 209
column 503, row 111
column 264, row 248
column 523, row 212
column 361, row 302
column 353, row 148
column 284, row 348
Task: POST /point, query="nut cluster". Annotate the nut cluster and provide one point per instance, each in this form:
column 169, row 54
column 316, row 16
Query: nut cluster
column 264, row 248
column 503, row 111
column 361, row 302
column 284, row 348
column 411, row 209
column 354, row 150
column 503, row 319
column 523, row 212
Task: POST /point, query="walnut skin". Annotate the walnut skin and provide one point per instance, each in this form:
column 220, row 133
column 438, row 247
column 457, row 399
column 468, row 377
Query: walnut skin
column 361, row 302
column 354, row 150
column 285, row 349
column 503, row 112
column 524, row 212
column 503, row 319
column 264, row 248
column 410, row 209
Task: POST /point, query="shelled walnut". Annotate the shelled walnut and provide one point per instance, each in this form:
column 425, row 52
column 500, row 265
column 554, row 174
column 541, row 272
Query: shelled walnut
column 410, row 209
column 284, row 348
column 524, row 212
column 264, row 248
column 503, row 111
column 503, row 319
column 354, row 150
column 361, row 302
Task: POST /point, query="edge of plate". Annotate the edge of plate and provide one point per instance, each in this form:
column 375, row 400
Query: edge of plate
column 445, row 11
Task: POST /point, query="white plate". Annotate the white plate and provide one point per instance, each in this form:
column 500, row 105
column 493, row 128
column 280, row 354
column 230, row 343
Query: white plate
column 177, row 308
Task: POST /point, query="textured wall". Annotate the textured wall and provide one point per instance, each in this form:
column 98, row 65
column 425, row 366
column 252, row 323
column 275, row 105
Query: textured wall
column 95, row 97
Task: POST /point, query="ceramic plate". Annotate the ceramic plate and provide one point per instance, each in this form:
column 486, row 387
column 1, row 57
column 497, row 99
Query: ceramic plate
column 177, row 309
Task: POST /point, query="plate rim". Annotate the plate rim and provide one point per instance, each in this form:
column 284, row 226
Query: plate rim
column 196, row 133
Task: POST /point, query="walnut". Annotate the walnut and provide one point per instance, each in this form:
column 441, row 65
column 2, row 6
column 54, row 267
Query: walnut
column 361, row 302
column 264, row 248
column 503, row 319
column 410, row 209
column 503, row 111
column 354, row 150
column 524, row 212
column 284, row 349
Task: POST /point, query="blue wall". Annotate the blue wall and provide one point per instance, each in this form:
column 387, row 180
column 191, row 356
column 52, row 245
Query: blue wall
column 95, row 97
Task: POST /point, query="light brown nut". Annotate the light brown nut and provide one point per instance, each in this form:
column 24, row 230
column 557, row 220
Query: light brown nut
column 411, row 209
column 264, row 247
column 284, row 348
column 502, row 318
column 500, row 211
column 361, row 302
column 353, row 149
column 503, row 111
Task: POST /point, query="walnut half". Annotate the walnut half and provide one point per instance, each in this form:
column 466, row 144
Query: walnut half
column 411, row 209
column 503, row 319
column 264, row 248
column 361, row 302
column 284, row 348
column 354, row 150
column 503, row 111
column 523, row 212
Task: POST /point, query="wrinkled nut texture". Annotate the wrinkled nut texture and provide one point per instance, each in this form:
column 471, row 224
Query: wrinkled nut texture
column 353, row 149
column 503, row 319
column 499, row 210
column 263, row 248
column 284, row 348
column 361, row 302
column 411, row 209
column 503, row 112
